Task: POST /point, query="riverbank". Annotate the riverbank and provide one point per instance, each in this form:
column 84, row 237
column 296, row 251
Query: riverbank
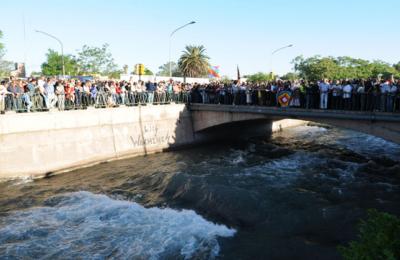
column 298, row 193
column 40, row 144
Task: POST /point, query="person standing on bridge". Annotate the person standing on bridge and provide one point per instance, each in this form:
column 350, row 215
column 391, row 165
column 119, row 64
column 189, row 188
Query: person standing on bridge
column 60, row 92
column 323, row 91
column 397, row 98
column 391, row 96
column 361, row 94
column 248, row 92
column 336, row 90
column 385, row 86
column 295, row 99
column 235, row 93
column 309, row 95
column 3, row 93
column 151, row 88
column 347, row 90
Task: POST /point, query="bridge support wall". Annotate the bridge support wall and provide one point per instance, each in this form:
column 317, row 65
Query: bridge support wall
column 37, row 144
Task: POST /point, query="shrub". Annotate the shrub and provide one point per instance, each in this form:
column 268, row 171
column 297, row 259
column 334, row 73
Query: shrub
column 379, row 238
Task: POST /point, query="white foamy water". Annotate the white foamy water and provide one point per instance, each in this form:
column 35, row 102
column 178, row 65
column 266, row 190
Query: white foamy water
column 287, row 170
column 369, row 145
column 284, row 171
column 236, row 157
column 88, row 226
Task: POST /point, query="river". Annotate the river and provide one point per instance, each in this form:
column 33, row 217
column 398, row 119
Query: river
column 296, row 194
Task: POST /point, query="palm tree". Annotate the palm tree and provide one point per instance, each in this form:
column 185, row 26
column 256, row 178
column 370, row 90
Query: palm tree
column 194, row 61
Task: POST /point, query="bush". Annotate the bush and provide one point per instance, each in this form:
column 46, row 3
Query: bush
column 379, row 238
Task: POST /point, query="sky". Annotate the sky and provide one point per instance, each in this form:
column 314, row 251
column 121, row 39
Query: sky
column 235, row 33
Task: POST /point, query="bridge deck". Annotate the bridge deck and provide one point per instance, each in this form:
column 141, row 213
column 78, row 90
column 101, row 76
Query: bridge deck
column 300, row 113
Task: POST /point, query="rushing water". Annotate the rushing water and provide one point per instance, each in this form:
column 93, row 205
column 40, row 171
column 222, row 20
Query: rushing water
column 297, row 194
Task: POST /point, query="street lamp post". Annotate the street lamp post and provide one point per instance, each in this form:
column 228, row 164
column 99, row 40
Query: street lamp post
column 284, row 47
column 170, row 41
column 279, row 49
column 62, row 49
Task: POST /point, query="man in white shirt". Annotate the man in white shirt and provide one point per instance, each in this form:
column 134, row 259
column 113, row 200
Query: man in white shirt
column 347, row 89
column 385, row 86
column 323, row 91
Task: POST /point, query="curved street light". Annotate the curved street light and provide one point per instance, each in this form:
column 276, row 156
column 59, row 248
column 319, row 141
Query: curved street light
column 62, row 48
column 170, row 41
column 279, row 49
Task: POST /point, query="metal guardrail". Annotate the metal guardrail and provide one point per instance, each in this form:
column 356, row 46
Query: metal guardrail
column 358, row 102
column 300, row 113
column 36, row 102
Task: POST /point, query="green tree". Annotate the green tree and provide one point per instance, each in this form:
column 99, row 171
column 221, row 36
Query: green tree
column 115, row 74
column 194, row 62
column 125, row 69
column 2, row 48
column 96, row 60
column 397, row 66
column 53, row 64
column 148, row 72
column 163, row 70
column 290, row 76
column 260, row 77
column 316, row 67
column 379, row 238
column 36, row 74
column 5, row 66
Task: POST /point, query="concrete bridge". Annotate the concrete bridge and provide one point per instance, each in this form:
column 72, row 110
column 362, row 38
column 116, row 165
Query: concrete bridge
column 53, row 142
column 384, row 125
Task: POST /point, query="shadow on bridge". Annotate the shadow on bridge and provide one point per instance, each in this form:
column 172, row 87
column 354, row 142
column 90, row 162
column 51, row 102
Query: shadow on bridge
column 205, row 116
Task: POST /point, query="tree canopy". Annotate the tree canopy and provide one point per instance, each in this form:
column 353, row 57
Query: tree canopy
column 317, row 67
column 53, row 64
column 163, row 70
column 194, row 61
column 260, row 77
column 1, row 45
column 5, row 66
column 397, row 66
column 96, row 60
column 148, row 72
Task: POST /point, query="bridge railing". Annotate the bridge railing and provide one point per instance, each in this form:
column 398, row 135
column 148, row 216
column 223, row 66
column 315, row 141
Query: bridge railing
column 36, row 102
column 357, row 101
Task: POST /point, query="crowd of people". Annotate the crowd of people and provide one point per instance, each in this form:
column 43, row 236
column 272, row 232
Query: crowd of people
column 38, row 94
column 361, row 95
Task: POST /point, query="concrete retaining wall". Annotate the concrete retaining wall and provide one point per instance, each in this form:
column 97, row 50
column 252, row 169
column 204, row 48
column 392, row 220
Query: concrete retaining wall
column 36, row 144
